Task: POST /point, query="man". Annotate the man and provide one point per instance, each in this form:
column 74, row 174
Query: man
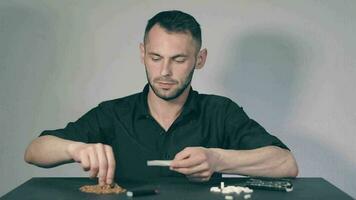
column 201, row 134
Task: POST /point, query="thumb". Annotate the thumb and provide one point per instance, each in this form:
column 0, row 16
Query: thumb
column 185, row 153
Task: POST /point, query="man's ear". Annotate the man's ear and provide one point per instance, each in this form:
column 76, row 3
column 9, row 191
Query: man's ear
column 201, row 58
column 142, row 53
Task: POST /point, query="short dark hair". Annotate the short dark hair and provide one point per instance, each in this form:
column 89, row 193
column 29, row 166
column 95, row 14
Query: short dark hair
column 177, row 22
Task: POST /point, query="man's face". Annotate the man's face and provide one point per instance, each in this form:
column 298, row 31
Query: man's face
column 170, row 60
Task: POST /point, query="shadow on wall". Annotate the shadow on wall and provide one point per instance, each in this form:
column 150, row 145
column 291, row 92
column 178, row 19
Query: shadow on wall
column 261, row 72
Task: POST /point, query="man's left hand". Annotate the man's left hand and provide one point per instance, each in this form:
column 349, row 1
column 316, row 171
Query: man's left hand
column 197, row 163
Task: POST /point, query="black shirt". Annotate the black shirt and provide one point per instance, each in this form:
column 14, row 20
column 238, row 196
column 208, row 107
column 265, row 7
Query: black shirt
column 125, row 124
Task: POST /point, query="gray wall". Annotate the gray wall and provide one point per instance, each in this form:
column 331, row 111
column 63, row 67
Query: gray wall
column 290, row 64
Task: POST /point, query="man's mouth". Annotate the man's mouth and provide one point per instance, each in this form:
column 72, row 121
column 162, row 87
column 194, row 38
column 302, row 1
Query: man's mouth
column 165, row 85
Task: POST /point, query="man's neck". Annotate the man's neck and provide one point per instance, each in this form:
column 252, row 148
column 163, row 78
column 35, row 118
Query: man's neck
column 166, row 112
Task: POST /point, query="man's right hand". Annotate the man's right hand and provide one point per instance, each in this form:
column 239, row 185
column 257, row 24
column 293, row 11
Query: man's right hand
column 97, row 158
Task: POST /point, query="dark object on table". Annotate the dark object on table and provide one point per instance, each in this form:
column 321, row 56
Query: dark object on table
column 284, row 185
column 142, row 192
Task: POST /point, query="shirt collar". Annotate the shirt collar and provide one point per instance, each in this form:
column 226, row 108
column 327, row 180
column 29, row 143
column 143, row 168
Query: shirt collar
column 190, row 106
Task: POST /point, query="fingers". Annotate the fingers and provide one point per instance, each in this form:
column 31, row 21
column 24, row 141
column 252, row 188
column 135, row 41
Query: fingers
column 94, row 162
column 204, row 166
column 194, row 162
column 200, row 176
column 85, row 162
column 188, row 162
column 185, row 153
column 103, row 163
column 187, row 158
column 111, row 164
column 100, row 161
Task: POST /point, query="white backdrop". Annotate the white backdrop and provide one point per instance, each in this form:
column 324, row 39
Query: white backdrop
column 290, row 64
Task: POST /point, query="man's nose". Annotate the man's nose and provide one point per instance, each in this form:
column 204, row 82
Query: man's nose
column 166, row 68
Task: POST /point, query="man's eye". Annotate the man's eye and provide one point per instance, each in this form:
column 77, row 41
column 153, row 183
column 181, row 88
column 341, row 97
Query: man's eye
column 155, row 58
column 179, row 60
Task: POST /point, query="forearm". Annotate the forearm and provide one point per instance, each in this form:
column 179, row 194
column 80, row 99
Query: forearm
column 48, row 151
column 268, row 161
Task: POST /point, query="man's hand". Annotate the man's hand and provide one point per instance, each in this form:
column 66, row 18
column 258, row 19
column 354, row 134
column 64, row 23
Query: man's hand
column 197, row 163
column 96, row 158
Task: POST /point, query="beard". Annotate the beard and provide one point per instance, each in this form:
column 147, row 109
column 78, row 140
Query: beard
column 175, row 92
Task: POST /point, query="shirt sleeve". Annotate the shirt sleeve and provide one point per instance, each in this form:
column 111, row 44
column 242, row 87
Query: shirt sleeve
column 88, row 129
column 244, row 133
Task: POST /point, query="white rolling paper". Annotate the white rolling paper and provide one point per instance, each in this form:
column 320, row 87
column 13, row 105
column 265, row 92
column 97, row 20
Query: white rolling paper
column 163, row 163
